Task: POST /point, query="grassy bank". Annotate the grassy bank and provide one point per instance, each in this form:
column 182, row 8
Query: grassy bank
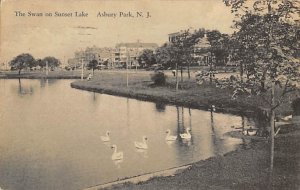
column 190, row 94
column 247, row 168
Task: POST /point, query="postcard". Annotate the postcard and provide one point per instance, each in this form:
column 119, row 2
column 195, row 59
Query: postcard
column 130, row 94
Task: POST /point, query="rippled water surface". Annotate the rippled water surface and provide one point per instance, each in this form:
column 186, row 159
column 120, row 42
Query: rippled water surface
column 50, row 135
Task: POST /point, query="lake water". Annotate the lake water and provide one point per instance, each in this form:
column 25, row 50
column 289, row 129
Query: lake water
column 50, row 136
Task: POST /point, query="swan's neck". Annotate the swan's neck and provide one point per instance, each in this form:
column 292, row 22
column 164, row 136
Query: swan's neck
column 115, row 151
column 168, row 134
column 144, row 140
column 188, row 132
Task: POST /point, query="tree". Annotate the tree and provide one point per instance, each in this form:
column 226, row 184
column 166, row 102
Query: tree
column 39, row 62
column 187, row 42
column 180, row 52
column 52, row 62
column 267, row 41
column 164, row 55
column 170, row 54
column 219, row 46
column 22, row 61
column 147, row 58
column 92, row 65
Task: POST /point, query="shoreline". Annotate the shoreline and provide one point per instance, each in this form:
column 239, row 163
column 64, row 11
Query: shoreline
column 40, row 75
column 176, row 100
column 245, row 168
column 189, row 97
column 190, row 94
column 171, row 172
column 141, row 178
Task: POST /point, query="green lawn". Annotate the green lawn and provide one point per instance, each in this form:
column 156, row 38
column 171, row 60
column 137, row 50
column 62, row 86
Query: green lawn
column 190, row 94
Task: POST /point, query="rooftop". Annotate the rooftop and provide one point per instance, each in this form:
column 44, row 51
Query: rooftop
column 137, row 44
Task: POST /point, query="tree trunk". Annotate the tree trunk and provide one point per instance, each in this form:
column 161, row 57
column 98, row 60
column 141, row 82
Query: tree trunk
column 210, row 74
column 272, row 135
column 189, row 75
column 181, row 78
column 272, row 125
column 176, row 77
column 263, row 80
column 241, row 71
column 262, row 85
column 20, row 71
column 93, row 70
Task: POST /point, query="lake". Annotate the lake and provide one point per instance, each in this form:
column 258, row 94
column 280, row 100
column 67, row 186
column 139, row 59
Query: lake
column 50, row 135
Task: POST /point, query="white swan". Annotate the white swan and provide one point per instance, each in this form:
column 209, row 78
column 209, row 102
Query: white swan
column 141, row 145
column 186, row 135
column 287, row 118
column 170, row 137
column 116, row 155
column 105, row 138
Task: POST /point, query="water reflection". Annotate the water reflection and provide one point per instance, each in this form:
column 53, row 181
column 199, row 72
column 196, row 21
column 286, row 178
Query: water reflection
column 108, row 144
column 142, row 152
column 44, row 82
column 160, row 106
column 24, row 89
column 118, row 163
column 182, row 130
column 94, row 96
column 170, row 142
column 214, row 136
column 58, row 138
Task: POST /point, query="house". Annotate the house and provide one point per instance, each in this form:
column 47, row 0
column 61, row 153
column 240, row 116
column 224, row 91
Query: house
column 201, row 50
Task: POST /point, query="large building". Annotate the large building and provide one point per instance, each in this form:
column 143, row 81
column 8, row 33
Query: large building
column 122, row 55
column 102, row 55
column 126, row 54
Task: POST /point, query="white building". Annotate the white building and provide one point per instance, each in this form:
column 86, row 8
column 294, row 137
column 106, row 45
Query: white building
column 127, row 53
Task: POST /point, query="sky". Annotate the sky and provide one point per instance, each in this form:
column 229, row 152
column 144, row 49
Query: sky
column 61, row 36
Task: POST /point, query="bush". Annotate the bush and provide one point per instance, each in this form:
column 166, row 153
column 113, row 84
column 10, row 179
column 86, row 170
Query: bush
column 159, row 78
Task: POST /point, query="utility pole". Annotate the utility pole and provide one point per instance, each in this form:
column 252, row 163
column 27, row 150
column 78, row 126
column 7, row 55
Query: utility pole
column 81, row 68
column 211, row 70
column 136, row 62
column 127, row 67
column 64, row 62
column 177, row 76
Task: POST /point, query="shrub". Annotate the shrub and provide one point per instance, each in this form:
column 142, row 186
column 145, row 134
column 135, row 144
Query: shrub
column 159, row 78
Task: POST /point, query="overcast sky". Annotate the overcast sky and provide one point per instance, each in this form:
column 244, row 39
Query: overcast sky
column 61, row 36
